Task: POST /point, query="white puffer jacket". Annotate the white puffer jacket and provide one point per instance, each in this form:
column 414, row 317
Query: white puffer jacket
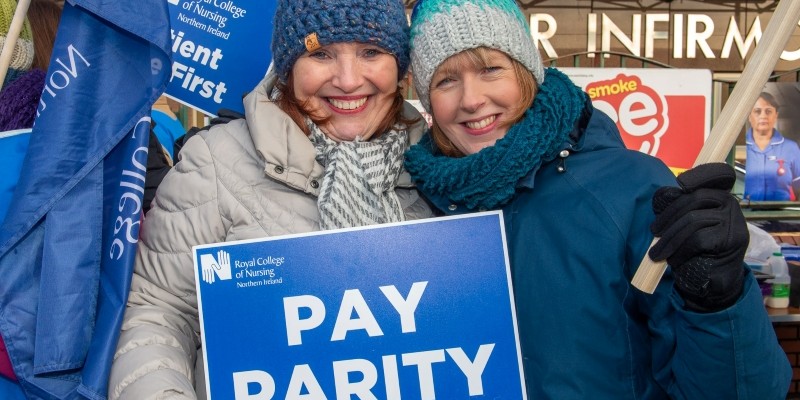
column 245, row 179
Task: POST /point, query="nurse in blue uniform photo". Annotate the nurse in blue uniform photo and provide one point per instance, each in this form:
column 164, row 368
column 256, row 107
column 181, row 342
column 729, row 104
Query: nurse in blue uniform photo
column 773, row 161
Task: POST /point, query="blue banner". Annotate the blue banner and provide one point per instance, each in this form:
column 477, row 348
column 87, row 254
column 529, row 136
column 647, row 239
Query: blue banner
column 416, row 310
column 220, row 51
column 68, row 242
column 13, row 146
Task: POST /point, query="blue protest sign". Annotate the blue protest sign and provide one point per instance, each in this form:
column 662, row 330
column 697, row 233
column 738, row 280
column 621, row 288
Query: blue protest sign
column 220, row 50
column 416, row 310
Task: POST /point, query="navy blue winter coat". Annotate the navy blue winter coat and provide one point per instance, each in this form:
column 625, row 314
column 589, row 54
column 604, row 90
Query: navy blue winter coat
column 575, row 241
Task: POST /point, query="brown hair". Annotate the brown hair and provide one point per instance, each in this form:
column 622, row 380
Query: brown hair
column 770, row 99
column 478, row 58
column 44, row 16
column 297, row 110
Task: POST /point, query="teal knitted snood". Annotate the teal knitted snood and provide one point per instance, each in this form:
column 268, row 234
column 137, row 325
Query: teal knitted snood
column 488, row 178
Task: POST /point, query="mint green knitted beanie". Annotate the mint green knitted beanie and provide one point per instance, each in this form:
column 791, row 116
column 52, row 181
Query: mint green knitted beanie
column 443, row 28
column 22, row 57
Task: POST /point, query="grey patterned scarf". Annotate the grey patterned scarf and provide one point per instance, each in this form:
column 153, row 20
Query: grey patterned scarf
column 360, row 177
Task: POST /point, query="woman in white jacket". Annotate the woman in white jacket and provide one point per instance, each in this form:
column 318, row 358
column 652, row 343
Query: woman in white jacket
column 331, row 100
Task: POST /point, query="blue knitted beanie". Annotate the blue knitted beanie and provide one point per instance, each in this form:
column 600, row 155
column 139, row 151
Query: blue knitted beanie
column 443, row 28
column 302, row 25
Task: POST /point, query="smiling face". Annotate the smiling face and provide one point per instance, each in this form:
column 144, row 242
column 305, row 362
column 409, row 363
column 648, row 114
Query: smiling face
column 474, row 102
column 351, row 85
column 763, row 117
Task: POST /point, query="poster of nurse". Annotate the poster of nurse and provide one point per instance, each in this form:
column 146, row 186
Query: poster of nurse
column 772, row 163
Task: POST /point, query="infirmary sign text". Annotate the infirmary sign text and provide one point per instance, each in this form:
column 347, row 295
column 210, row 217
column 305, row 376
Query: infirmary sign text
column 724, row 39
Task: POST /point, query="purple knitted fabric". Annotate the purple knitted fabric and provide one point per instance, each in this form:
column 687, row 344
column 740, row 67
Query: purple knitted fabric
column 19, row 99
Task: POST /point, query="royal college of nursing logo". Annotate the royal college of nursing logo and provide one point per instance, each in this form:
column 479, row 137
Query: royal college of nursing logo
column 212, row 268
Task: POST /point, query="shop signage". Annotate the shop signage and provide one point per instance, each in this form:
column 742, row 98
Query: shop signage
column 687, row 34
column 420, row 309
column 662, row 112
column 690, row 36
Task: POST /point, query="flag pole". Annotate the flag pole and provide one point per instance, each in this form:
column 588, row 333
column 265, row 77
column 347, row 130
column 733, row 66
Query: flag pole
column 732, row 117
column 12, row 36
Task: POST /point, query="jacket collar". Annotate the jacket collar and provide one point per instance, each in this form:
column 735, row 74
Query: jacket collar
column 288, row 154
column 776, row 138
column 573, row 144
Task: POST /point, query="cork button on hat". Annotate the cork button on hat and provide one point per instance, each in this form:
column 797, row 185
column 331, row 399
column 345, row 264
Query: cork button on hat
column 309, row 25
column 312, row 42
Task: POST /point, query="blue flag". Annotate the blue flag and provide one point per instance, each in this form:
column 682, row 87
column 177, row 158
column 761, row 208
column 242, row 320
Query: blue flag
column 13, row 146
column 68, row 242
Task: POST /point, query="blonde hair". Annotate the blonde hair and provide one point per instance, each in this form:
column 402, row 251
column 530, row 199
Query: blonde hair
column 478, row 58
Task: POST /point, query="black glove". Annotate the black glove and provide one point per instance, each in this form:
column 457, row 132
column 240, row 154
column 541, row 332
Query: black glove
column 703, row 236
